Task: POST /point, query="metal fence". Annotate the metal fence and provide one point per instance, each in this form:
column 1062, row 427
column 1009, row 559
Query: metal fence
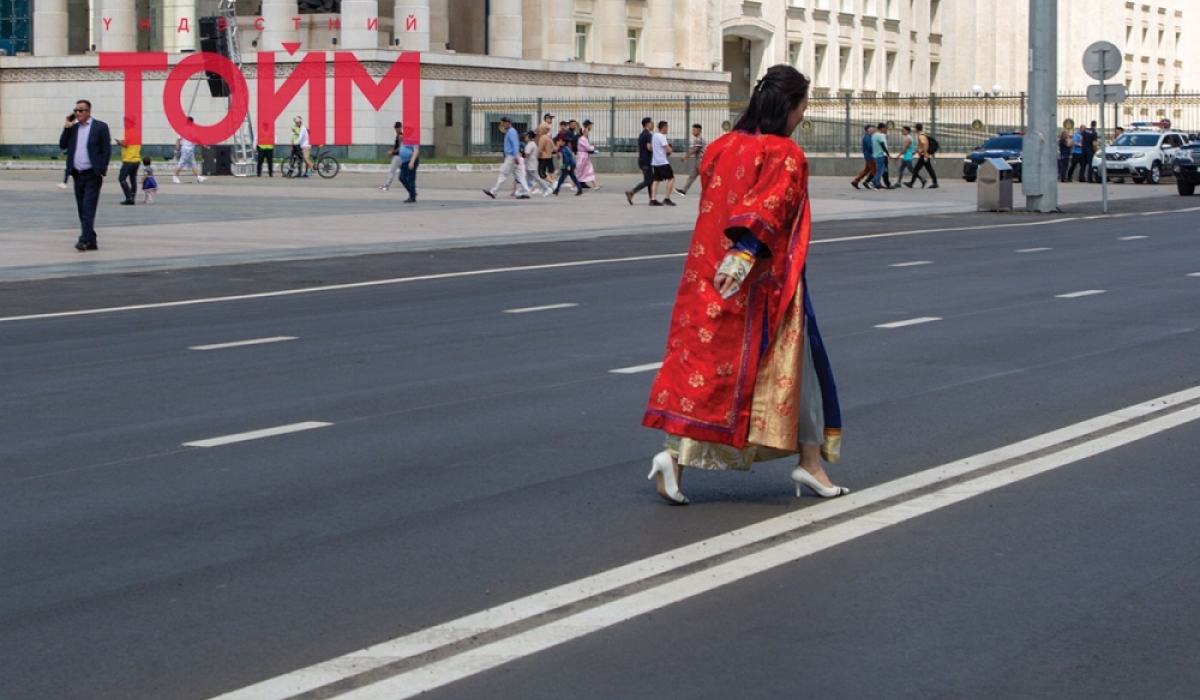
column 833, row 124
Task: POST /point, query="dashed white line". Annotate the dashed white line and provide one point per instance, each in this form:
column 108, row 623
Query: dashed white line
column 909, row 322
column 914, row 263
column 242, row 343
column 1084, row 293
column 955, row 482
column 1194, row 274
column 256, row 434
column 1033, row 250
column 547, row 307
column 636, row 368
column 1131, row 238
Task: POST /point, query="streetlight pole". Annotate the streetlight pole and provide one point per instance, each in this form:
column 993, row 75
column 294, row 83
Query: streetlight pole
column 1039, row 154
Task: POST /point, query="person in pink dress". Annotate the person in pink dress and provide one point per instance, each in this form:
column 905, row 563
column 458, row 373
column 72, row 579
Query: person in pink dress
column 583, row 158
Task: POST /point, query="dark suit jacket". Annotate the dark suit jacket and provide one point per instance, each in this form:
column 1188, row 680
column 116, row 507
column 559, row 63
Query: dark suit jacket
column 99, row 145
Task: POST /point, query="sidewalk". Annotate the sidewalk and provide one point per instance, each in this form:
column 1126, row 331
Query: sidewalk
column 230, row 220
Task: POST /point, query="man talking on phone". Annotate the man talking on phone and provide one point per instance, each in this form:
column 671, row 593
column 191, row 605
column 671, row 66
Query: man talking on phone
column 89, row 146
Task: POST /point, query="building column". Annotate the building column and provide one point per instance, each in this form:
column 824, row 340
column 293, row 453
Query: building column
column 439, row 25
column 412, row 25
column 277, row 24
column 505, row 29
column 50, row 29
column 613, row 42
column 354, row 33
column 120, row 34
column 659, row 50
column 175, row 12
column 560, row 30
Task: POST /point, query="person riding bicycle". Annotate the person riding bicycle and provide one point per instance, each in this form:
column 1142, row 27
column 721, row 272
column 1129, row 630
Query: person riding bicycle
column 300, row 145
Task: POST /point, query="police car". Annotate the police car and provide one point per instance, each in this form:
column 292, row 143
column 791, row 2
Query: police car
column 1144, row 153
column 1006, row 146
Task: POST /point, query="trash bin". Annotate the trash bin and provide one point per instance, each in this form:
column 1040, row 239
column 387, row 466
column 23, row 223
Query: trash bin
column 995, row 183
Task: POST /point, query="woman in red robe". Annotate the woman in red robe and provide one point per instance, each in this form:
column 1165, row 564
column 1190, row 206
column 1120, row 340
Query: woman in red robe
column 745, row 376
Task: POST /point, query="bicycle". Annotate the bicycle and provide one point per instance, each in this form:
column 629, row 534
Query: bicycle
column 324, row 164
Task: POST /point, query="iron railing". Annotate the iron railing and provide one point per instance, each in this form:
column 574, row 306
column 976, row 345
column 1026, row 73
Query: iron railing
column 833, row 124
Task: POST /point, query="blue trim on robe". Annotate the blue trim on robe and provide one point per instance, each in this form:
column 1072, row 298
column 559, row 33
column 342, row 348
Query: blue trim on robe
column 820, row 358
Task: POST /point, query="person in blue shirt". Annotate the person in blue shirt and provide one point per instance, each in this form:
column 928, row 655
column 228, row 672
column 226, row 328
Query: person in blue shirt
column 879, row 151
column 410, row 158
column 568, row 164
column 1076, row 155
column 512, row 151
column 868, row 150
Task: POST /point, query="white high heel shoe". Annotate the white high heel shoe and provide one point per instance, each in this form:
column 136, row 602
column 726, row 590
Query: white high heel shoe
column 662, row 470
column 802, row 478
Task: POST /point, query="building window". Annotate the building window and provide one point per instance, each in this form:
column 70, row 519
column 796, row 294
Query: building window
column 819, row 63
column 794, row 54
column 890, row 75
column 796, row 3
column 844, row 78
column 868, row 8
column 934, row 83
column 1128, row 34
column 846, row 6
column 868, row 67
column 581, row 42
column 935, row 17
column 891, row 10
column 633, row 46
column 14, row 26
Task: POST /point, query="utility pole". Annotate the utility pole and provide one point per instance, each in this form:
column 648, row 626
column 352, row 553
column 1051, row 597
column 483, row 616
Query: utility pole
column 1039, row 171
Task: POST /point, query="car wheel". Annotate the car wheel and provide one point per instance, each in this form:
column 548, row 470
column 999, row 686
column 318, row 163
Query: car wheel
column 1155, row 175
column 1137, row 180
column 1186, row 189
column 969, row 179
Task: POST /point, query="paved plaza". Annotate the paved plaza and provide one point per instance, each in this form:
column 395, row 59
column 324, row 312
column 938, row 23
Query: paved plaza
column 228, row 220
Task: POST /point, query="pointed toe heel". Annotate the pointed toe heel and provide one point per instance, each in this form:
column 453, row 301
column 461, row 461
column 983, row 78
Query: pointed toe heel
column 802, row 479
column 662, row 472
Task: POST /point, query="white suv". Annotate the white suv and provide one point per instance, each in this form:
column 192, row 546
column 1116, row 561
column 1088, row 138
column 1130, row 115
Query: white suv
column 1144, row 154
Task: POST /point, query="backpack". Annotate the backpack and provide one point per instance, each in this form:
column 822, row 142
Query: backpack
column 932, row 148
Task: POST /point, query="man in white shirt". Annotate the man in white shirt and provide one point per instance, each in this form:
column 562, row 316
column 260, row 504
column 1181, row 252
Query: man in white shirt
column 301, row 146
column 660, row 162
column 185, row 151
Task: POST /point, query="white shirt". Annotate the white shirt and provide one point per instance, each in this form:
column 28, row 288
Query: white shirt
column 186, row 146
column 302, row 137
column 82, row 161
column 531, row 152
column 659, row 144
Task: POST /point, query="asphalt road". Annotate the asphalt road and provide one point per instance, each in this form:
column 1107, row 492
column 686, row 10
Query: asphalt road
column 474, row 456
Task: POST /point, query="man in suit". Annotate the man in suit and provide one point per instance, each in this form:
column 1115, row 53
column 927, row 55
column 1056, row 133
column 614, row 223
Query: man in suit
column 89, row 146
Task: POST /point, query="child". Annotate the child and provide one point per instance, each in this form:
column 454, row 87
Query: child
column 149, row 184
column 568, row 165
column 531, row 167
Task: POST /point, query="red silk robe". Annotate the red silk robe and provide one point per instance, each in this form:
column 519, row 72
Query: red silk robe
column 705, row 388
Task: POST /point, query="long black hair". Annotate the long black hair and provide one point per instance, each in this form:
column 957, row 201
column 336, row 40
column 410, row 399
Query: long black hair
column 773, row 98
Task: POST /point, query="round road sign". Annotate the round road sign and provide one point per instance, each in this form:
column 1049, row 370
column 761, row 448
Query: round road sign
column 1102, row 60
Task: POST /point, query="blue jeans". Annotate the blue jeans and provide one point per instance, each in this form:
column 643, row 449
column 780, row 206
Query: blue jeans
column 880, row 168
column 408, row 177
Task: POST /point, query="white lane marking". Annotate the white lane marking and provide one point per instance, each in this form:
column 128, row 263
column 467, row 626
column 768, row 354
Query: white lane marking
column 539, row 308
column 1131, row 238
column 423, row 641
column 1194, row 274
column 1084, row 293
column 909, row 322
column 636, row 368
column 1033, row 250
column 241, row 343
column 912, row 264
column 257, row 434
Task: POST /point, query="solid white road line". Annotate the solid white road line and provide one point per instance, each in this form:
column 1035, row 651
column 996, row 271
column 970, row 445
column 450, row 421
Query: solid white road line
column 909, row 322
column 636, row 368
column 912, row 264
column 1131, row 238
column 1084, row 293
column 1079, row 440
column 1033, row 250
column 1194, row 274
column 539, row 308
column 240, row 343
column 256, row 434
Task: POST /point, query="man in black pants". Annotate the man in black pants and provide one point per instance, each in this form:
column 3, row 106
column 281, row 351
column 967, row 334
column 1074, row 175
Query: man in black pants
column 1088, row 172
column 645, row 147
column 89, row 147
column 924, row 158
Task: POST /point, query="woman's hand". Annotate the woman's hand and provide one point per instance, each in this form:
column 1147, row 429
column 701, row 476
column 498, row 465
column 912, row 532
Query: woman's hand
column 724, row 284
